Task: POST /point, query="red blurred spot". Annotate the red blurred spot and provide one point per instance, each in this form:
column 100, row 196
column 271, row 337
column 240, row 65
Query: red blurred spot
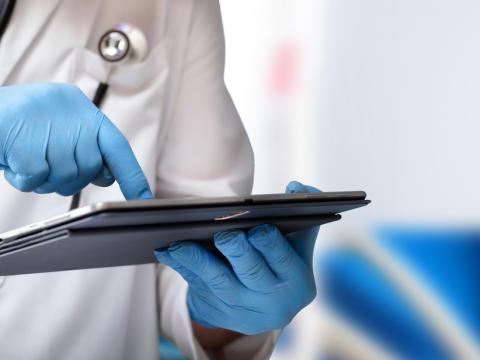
column 285, row 69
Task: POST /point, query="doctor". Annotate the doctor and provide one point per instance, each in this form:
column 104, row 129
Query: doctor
column 167, row 121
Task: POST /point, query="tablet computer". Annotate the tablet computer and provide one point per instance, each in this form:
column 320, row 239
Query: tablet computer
column 127, row 232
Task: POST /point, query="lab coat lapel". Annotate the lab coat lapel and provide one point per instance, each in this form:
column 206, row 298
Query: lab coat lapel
column 28, row 20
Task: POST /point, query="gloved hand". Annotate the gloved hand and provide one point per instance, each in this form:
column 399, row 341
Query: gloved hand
column 53, row 139
column 268, row 281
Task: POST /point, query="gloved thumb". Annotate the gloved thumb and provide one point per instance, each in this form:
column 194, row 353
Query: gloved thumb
column 303, row 241
column 298, row 187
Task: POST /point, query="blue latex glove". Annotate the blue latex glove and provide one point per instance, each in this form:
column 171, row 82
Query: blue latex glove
column 268, row 280
column 53, row 139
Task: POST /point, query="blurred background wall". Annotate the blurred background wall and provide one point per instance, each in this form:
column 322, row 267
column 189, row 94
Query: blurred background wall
column 376, row 95
column 274, row 60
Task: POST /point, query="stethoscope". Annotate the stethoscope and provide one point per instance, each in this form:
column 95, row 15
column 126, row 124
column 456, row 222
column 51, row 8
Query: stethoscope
column 6, row 11
column 124, row 43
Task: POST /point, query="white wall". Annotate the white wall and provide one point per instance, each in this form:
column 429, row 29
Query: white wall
column 386, row 99
column 400, row 106
column 265, row 39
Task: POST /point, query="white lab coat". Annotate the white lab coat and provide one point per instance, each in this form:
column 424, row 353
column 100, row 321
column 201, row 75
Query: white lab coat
column 184, row 129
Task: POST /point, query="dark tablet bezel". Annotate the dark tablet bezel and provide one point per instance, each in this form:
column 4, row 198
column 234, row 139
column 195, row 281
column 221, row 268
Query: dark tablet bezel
column 185, row 203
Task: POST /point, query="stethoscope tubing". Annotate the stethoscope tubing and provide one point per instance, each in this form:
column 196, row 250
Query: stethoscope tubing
column 5, row 16
column 98, row 98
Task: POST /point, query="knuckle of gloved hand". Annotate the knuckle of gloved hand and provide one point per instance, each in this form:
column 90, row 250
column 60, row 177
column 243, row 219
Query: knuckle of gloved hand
column 64, row 176
column 92, row 166
column 74, row 96
column 218, row 279
column 253, row 271
column 23, row 182
column 284, row 257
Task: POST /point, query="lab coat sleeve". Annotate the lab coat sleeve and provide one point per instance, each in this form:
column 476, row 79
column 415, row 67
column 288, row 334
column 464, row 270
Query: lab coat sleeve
column 205, row 152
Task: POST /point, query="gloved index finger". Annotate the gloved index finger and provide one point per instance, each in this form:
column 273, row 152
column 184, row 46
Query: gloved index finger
column 121, row 160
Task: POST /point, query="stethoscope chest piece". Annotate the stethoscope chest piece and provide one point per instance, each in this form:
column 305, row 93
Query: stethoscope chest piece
column 124, row 42
column 114, row 46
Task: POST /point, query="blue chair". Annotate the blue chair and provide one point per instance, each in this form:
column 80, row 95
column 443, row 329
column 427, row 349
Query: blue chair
column 448, row 260
column 168, row 351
